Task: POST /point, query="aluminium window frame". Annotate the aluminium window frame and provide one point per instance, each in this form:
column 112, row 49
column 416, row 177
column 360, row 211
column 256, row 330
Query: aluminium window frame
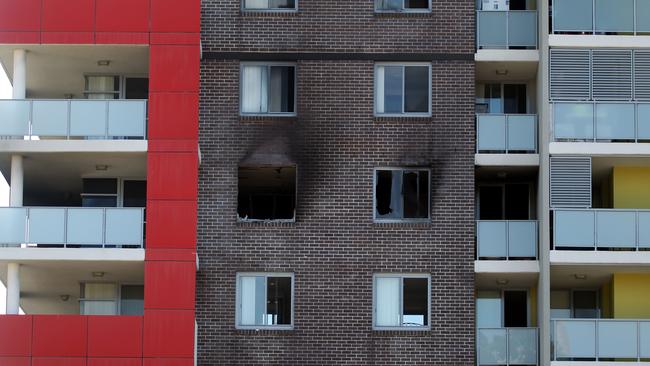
column 403, row 9
column 376, row 219
column 401, row 277
column 266, row 275
column 502, row 291
column 118, row 293
column 268, row 64
column 403, row 113
column 244, row 9
column 121, row 93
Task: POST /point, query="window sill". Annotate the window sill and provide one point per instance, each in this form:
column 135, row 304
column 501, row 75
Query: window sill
column 424, row 332
column 268, row 118
column 264, row 330
column 403, row 14
column 397, row 223
column 276, row 223
column 404, row 118
column 269, row 13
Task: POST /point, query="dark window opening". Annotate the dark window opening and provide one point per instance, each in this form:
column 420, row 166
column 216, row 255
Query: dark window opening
column 135, row 193
column 504, row 202
column 585, row 304
column 132, row 300
column 278, row 293
column 402, row 194
column 136, row 88
column 416, row 4
column 267, row 193
column 416, row 89
column 514, row 98
column 416, row 302
column 515, row 309
column 99, row 192
column 282, row 89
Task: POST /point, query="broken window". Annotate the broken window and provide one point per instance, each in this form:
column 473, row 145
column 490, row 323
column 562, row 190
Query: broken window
column 401, row 194
column 267, row 193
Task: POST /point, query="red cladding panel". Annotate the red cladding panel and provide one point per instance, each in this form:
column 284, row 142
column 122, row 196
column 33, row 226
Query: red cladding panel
column 170, row 16
column 168, row 362
column 122, row 15
column 40, row 361
column 169, row 285
column 171, row 224
column 176, row 38
column 172, row 176
column 174, row 68
column 20, row 37
column 15, row 335
column 168, row 333
column 122, row 38
column 173, row 116
column 67, row 37
column 23, row 15
column 68, row 15
column 115, row 362
column 15, row 361
column 114, row 336
column 177, row 255
column 59, row 336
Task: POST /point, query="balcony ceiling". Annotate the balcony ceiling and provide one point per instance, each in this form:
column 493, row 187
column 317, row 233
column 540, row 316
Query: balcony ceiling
column 564, row 276
column 516, row 71
column 56, row 70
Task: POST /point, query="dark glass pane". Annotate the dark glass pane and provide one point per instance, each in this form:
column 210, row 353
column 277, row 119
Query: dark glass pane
column 135, row 193
column 392, row 89
column 99, row 185
column 282, row 89
column 517, row 4
column 389, row 4
column 416, row 4
column 267, row 193
column 416, row 89
column 132, row 300
column 383, row 192
column 493, row 98
column 278, row 306
column 517, row 202
column 515, row 309
column 282, row 4
column 514, row 98
column 99, row 201
column 137, row 88
column 416, row 302
column 416, row 195
column 585, row 304
column 490, row 203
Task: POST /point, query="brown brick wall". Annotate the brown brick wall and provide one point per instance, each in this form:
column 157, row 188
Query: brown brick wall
column 334, row 247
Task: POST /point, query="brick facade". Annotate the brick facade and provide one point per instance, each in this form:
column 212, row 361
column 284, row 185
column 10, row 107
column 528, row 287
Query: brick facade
column 334, row 247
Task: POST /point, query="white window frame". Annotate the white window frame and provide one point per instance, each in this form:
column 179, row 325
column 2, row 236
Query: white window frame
column 118, row 293
column 402, row 220
column 401, row 277
column 268, row 65
column 266, row 275
column 121, row 93
column 403, row 9
column 243, row 8
column 403, row 113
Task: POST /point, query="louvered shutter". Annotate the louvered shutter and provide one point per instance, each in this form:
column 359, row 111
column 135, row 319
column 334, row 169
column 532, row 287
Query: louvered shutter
column 642, row 75
column 570, row 181
column 612, row 74
column 569, row 74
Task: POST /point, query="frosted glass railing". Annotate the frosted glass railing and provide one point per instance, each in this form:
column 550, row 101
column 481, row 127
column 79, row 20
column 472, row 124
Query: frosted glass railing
column 601, row 16
column 72, row 226
column 601, row 228
column 596, row 339
column 97, row 307
column 77, row 118
column 506, row 239
column 506, row 29
column 506, row 133
column 507, row 346
column 626, row 122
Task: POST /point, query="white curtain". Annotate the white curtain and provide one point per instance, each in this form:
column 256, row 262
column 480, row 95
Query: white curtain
column 99, row 299
column 97, row 84
column 379, row 92
column 396, row 197
column 253, row 301
column 254, row 89
column 256, row 4
column 388, row 297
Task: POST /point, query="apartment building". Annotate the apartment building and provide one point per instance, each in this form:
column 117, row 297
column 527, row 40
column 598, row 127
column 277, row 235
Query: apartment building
column 100, row 147
column 336, row 183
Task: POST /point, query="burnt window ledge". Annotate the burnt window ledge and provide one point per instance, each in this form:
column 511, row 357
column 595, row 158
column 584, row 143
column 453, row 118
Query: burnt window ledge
column 260, row 222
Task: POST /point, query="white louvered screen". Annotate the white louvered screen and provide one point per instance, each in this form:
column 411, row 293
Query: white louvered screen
column 642, row 75
column 612, row 74
column 570, row 74
column 570, row 181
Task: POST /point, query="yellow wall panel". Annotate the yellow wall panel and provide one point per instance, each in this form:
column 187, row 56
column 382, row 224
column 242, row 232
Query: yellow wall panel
column 631, row 187
column 631, row 295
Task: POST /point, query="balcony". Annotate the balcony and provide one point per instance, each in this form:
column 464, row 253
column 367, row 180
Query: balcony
column 601, row 17
column 514, row 29
column 73, row 119
column 507, row 346
column 72, row 227
column 600, row 340
column 507, row 239
column 601, row 229
column 506, row 133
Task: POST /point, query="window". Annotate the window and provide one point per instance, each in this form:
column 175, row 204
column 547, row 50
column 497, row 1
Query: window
column 403, row 5
column 268, row 89
column 99, row 192
column 402, row 194
column 264, row 300
column 266, row 193
column 403, row 89
column 270, row 4
column 132, row 300
column 103, row 299
column 401, row 301
column 116, row 87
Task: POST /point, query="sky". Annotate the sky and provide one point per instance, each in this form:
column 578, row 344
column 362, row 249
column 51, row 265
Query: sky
column 5, row 93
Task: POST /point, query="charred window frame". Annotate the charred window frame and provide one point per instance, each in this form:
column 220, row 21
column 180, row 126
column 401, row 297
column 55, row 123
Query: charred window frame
column 410, row 202
column 261, row 300
column 267, row 193
column 402, row 89
column 403, row 6
column 269, row 5
column 268, row 89
column 401, row 301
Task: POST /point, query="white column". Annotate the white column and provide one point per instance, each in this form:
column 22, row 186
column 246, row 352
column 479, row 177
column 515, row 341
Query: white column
column 20, row 74
column 13, row 288
column 16, row 184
